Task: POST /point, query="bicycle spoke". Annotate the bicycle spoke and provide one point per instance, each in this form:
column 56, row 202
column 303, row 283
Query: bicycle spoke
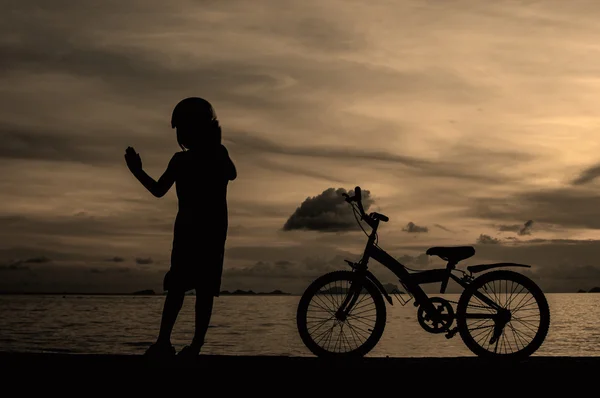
column 337, row 335
column 517, row 312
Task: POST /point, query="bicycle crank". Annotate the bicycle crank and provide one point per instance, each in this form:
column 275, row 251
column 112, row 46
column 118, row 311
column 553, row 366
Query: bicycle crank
column 441, row 320
column 452, row 332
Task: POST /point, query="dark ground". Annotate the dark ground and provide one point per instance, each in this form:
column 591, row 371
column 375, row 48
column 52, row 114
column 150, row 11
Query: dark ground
column 291, row 375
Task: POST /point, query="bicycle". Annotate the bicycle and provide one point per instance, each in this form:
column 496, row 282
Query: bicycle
column 435, row 314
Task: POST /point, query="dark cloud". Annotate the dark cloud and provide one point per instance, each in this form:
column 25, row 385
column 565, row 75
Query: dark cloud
column 247, row 141
column 21, row 265
column 565, row 207
column 14, row 267
column 510, row 228
column 524, row 229
column 135, row 71
column 143, row 261
column 300, row 170
column 118, row 270
column 283, row 269
column 252, row 143
column 442, row 227
column 24, row 254
column 81, row 278
column 33, row 228
column 132, row 72
column 49, row 143
column 279, row 252
column 76, row 49
column 116, row 259
column 487, row 240
column 290, row 276
column 37, row 260
column 587, row 176
column 326, row 212
column 411, row 227
column 558, row 265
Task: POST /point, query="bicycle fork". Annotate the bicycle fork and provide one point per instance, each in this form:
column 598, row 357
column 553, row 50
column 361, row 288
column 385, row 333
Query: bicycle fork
column 351, row 297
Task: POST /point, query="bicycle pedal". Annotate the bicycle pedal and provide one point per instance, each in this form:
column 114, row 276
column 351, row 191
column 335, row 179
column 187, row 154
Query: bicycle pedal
column 451, row 333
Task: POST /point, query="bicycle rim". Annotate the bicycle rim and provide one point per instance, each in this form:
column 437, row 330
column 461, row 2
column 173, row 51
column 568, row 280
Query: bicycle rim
column 325, row 335
column 529, row 312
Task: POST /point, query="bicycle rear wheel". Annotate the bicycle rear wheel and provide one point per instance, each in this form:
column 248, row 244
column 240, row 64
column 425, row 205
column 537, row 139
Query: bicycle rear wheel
column 326, row 335
column 515, row 330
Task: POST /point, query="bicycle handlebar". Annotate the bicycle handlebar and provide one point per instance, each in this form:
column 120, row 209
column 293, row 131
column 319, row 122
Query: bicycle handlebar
column 358, row 199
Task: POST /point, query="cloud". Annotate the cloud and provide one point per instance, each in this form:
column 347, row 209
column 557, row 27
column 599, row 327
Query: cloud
column 310, row 91
column 487, row 240
column 565, row 207
column 51, row 144
column 419, row 261
column 587, row 176
column 558, row 265
column 18, row 265
column 326, row 212
column 245, row 141
column 411, row 227
column 285, row 269
column 116, row 259
column 81, row 233
column 524, row 229
column 81, row 278
column 442, row 227
column 294, row 276
column 118, row 270
column 143, row 261
column 37, row 260
column 13, row 267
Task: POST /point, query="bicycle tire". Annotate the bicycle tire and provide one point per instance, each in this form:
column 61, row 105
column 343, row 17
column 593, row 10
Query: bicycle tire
column 302, row 313
column 504, row 275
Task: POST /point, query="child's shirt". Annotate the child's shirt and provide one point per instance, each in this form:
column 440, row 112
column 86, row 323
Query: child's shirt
column 201, row 179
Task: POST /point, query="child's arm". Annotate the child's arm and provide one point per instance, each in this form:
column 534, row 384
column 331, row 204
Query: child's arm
column 157, row 188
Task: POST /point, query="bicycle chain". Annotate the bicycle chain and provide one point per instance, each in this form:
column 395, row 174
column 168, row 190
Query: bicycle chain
column 470, row 305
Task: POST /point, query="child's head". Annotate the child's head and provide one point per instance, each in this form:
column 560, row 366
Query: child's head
column 196, row 123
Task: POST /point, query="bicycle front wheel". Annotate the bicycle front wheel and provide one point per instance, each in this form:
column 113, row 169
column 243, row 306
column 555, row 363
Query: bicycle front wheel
column 324, row 332
column 503, row 314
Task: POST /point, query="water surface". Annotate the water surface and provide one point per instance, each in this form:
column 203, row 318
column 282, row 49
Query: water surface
column 249, row 325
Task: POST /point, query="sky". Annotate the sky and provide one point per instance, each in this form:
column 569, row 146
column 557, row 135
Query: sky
column 465, row 122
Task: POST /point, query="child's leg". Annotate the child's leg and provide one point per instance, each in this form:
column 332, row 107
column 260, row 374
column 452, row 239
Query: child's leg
column 172, row 306
column 204, row 306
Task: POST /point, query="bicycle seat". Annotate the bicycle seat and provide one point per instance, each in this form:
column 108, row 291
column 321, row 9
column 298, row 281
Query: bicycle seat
column 454, row 253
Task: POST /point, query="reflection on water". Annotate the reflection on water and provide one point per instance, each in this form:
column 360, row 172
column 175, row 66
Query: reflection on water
column 259, row 325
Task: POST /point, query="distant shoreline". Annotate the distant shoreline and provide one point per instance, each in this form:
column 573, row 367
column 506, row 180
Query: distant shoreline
column 224, row 293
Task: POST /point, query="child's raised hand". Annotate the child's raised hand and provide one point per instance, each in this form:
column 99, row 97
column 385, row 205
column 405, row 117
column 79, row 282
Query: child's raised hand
column 134, row 162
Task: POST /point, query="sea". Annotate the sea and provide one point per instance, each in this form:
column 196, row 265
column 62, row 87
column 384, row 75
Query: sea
column 249, row 325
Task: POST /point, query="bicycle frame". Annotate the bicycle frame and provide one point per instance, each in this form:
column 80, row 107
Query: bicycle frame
column 411, row 281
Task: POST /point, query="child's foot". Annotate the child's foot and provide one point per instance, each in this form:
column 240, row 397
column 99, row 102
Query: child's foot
column 190, row 351
column 160, row 350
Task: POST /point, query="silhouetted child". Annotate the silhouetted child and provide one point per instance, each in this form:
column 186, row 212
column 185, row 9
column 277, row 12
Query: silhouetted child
column 201, row 172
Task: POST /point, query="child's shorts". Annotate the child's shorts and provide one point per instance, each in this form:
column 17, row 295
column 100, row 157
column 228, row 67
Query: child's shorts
column 196, row 268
